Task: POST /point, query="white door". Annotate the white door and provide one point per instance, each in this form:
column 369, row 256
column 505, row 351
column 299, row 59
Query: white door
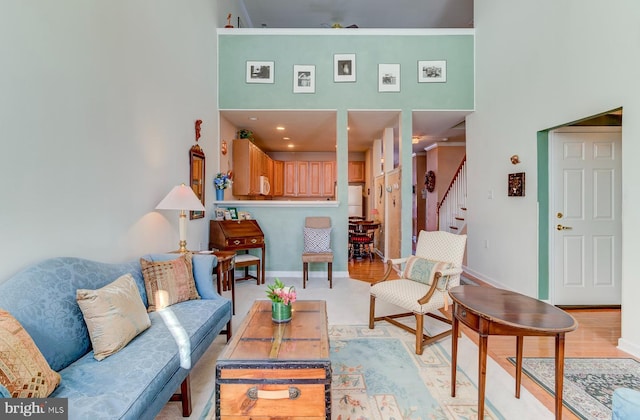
column 585, row 219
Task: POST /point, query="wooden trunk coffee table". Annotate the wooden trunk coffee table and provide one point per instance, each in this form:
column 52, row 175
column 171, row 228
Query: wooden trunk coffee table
column 271, row 370
column 491, row 311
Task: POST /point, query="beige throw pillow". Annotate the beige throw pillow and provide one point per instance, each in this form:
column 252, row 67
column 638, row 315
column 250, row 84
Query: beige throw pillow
column 23, row 369
column 114, row 314
column 169, row 282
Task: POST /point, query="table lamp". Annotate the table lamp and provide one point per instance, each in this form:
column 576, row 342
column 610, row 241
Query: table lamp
column 184, row 199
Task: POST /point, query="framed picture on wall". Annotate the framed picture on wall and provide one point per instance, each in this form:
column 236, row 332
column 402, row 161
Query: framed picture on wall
column 432, row 71
column 260, row 71
column 516, row 185
column 388, row 77
column 344, row 68
column 304, row 79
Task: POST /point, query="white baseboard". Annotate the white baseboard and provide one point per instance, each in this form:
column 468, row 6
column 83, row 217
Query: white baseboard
column 629, row 347
column 485, row 279
column 312, row 274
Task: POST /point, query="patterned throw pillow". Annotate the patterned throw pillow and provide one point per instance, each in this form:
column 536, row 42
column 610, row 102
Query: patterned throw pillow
column 424, row 270
column 24, row 371
column 169, row 282
column 317, row 240
column 114, row 314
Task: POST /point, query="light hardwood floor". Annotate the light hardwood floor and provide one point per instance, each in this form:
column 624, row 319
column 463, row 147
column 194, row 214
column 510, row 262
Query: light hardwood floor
column 597, row 336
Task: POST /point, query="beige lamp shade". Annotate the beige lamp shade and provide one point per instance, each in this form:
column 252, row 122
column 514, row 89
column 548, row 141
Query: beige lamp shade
column 181, row 197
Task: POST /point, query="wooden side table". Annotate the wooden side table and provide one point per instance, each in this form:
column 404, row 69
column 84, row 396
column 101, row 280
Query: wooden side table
column 492, row 311
column 225, row 274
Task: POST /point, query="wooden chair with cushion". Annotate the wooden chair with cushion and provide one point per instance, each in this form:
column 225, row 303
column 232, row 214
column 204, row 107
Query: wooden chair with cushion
column 317, row 246
column 424, row 282
column 245, row 261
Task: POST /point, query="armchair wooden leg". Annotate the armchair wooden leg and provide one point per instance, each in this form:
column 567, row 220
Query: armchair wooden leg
column 419, row 329
column 330, row 275
column 372, row 310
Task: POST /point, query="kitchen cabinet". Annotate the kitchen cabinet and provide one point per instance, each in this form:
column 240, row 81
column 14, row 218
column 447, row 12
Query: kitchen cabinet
column 309, row 179
column 315, row 179
column 290, row 179
column 302, row 183
column 328, row 179
column 356, row 171
column 277, row 185
column 249, row 164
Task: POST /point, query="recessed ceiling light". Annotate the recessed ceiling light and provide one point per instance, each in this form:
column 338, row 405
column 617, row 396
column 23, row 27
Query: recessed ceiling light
column 253, row 118
column 286, row 138
column 280, row 128
column 290, row 146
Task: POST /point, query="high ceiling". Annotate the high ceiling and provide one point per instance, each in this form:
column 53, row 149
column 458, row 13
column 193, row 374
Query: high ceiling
column 363, row 13
column 315, row 130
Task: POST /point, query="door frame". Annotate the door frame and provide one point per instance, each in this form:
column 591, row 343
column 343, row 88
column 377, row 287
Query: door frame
column 552, row 248
column 544, row 194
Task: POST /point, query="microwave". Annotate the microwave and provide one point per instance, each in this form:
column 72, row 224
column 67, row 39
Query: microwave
column 265, row 187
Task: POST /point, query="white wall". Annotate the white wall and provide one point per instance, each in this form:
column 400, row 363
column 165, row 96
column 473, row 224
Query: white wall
column 97, row 108
column 541, row 64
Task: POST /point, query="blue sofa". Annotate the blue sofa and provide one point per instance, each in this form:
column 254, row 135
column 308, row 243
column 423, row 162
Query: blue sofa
column 137, row 381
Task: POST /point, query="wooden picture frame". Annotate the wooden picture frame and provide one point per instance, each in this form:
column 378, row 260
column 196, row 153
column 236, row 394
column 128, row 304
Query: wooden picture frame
column 304, row 79
column 516, row 185
column 344, row 68
column 260, row 71
column 196, row 178
column 388, row 77
column 434, row 71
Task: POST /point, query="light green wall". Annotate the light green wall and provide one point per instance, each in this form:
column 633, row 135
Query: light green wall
column 235, row 49
column 283, row 231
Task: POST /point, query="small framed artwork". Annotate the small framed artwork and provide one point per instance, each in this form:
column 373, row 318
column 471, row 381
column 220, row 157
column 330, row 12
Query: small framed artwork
column 220, row 213
column 260, row 71
column 432, row 71
column 304, row 79
column 388, row 77
column 516, row 184
column 233, row 212
column 344, row 67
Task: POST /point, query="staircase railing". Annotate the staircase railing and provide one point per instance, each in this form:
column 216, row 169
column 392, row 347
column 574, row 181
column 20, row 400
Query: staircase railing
column 452, row 209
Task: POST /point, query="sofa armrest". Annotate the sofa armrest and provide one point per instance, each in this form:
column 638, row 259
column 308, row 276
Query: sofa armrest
column 203, row 265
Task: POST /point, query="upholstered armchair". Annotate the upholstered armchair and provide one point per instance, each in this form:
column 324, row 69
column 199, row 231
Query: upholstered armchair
column 423, row 286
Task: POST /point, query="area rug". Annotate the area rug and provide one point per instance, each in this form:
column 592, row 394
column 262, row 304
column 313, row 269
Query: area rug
column 588, row 383
column 377, row 375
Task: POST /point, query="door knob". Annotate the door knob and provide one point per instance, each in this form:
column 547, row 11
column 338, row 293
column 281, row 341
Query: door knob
column 560, row 227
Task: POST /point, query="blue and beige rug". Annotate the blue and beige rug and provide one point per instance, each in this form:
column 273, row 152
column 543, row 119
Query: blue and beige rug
column 588, row 383
column 377, row 375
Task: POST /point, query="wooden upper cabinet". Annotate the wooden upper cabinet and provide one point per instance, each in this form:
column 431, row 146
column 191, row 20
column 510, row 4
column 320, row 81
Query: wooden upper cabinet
column 356, row 171
column 309, row 179
column 290, row 179
column 249, row 163
column 315, row 179
column 328, row 178
column 302, row 184
column 277, row 183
